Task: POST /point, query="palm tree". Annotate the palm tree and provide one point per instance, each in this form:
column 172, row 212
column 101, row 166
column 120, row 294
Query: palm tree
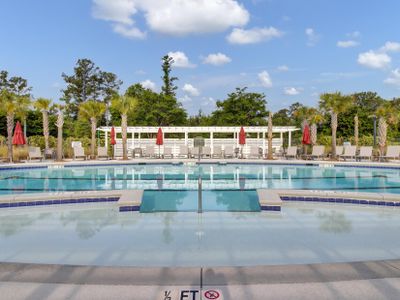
column 270, row 136
column 356, row 125
column 92, row 110
column 43, row 105
column 124, row 105
column 60, row 124
column 335, row 104
column 24, row 103
column 9, row 106
column 387, row 114
column 315, row 117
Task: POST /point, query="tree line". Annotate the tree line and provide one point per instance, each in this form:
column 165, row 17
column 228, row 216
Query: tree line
column 92, row 98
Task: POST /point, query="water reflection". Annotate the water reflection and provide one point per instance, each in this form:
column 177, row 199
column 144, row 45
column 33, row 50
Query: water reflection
column 334, row 222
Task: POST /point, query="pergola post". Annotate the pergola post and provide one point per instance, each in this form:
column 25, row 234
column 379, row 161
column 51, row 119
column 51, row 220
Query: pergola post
column 139, row 139
column 133, row 139
column 106, row 139
column 263, row 144
column 186, row 138
column 212, row 142
column 290, row 139
column 281, row 139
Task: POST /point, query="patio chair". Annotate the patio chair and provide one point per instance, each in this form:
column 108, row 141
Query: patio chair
column 79, row 152
column 168, row 152
column 392, row 152
column 254, row 152
column 229, row 151
column 150, row 151
column 217, row 152
column 34, row 153
column 183, row 151
column 365, row 153
column 194, row 152
column 349, row 153
column 291, row 152
column 318, row 152
column 102, row 153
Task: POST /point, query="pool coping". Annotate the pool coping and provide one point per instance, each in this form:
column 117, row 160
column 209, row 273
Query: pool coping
column 198, row 276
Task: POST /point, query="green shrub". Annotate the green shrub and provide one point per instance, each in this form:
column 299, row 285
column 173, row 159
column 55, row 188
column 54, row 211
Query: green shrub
column 3, row 152
column 3, row 140
column 38, row 141
column 20, row 153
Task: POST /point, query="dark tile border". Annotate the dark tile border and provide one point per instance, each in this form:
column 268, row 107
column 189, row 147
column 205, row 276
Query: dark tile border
column 341, row 200
column 57, row 201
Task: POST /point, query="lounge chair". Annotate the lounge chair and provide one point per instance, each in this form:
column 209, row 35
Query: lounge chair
column 318, row 152
column 392, row 152
column 291, row 152
column 195, row 152
column 102, row 153
column 79, row 152
column 150, row 151
column 183, row 151
column 339, row 150
column 349, row 153
column 254, row 152
column 228, row 151
column 206, row 151
column 34, row 153
column 168, row 152
column 365, row 153
column 217, row 152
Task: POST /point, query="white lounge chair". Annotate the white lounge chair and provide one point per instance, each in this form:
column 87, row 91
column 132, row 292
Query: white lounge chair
column 150, row 151
column 392, row 152
column 168, row 152
column 318, row 152
column 349, row 152
column 194, row 152
column 217, row 152
column 206, row 151
column 34, row 153
column 365, row 153
column 254, row 152
column 183, row 151
column 228, row 151
column 102, row 153
column 79, row 152
column 291, row 152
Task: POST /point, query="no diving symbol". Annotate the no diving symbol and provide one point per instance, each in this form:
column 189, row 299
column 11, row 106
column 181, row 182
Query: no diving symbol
column 211, row 294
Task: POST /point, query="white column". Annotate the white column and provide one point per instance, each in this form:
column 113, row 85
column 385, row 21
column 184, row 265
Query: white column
column 263, row 146
column 186, row 138
column 281, row 139
column 133, row 139
column 106, row 141
column 290, row 139
column 212, row 142
column 139, row 139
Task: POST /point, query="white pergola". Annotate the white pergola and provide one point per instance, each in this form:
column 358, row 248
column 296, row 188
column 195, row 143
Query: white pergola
column 261, row 132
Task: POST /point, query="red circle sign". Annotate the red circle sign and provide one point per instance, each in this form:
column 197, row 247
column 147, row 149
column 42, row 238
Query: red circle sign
column 211, row 294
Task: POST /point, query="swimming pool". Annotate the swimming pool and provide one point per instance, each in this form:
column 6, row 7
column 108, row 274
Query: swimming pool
column 98, row 234
column 214, row 177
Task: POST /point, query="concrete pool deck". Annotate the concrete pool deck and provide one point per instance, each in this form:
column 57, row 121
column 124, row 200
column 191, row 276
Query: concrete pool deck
column 356, row 280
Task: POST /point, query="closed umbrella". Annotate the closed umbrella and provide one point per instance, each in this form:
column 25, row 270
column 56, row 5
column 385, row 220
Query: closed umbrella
column 306, row 139
column 159, row 140
column 242, row 139
column 112, row 139
column 18, row 138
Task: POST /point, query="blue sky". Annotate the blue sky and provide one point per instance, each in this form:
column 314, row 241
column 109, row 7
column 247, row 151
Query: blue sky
column 291, row 50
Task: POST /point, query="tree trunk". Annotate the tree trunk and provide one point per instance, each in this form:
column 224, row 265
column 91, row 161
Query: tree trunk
column 10, row 127
column 334, row 125
column 270, row 137
column 45, row 129
column 60, row 124
column 124, row 125
column 314, row 134
column 356, row 130
column 382, row 134
column 93, row 142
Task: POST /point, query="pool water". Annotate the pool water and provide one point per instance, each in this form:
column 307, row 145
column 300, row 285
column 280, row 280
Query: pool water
column 98, row 234
column 214, row 176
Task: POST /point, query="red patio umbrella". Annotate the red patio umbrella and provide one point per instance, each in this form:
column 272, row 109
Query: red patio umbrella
column 242, row 139
column 306, row 140
column 112, row 139
column 159, row 140
column 18, row 138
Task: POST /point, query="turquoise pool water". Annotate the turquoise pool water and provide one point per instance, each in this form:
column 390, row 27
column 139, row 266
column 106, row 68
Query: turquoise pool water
column 98, row 234
column 184, row 178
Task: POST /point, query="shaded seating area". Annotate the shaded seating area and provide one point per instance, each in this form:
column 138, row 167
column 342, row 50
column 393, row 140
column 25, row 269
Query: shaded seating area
column 318, row 152
column 102, row 153
column 392, row 153
column 349, row 153
column 365, row 153
column 34, row 153
column 79, row 152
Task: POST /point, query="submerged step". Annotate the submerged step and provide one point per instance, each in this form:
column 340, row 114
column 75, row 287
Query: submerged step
column 269, row 200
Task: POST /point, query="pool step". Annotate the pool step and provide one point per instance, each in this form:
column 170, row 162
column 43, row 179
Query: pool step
column 130, row 200
column 269, row 200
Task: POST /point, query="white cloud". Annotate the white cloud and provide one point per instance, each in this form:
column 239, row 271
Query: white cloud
column 185, row 99
column 391, row 47
column 394, row 77
column 217, row 59
column 312, row 37
column 148, row 84
column 347, row 44
column 291, row 91
column 180, row 60
column 191, row 90
column 265, row 79
column 374, row 60
column 252, row 36
column 283, row 68
column 128, row 31
column 174, row 17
